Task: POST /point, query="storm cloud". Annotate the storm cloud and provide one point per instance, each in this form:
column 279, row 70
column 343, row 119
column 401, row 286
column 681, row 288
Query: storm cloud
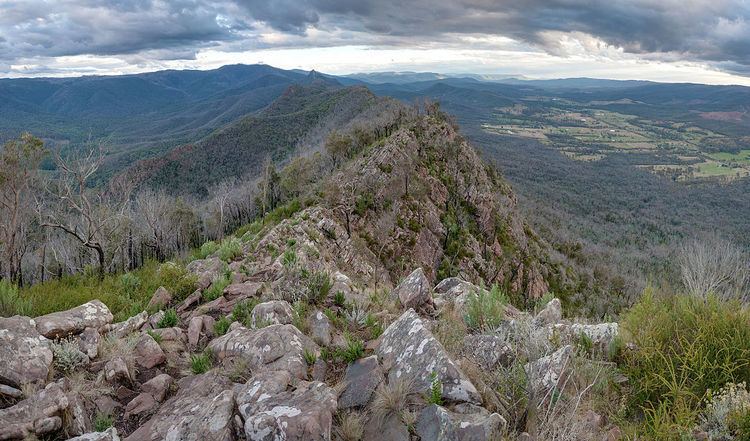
column 712, row 31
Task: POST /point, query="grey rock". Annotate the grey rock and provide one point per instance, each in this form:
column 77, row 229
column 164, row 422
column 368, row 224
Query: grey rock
column 158, row 386
column 302, row 414
column 546, row 373
column 320, row 328
column 10, row 392
column 360, row 381
column 408, row 351
column 414, row 291
column 389, row 428
column 134, row 323
column 275, row 312
column 550, row 314
column 259, row 387
column 202, row 410
column 116, row 371
column 88, row 342
column 320, row 370
column 439, row 424
column 38, row 414
column 244, row 290
column 488, row 351
column 194, row 330
column 160, row 299
column 93, row 314
column 108, row 435
column 143, row 403
column 148, row 353
column 206, row 269
column 26, row 356
column 275, row 347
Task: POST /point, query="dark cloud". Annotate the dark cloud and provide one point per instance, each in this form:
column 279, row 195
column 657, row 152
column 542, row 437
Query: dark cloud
column 715, row 31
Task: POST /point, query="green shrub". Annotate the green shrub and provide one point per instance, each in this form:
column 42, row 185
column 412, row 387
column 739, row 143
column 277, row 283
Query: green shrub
column 11, row 302
column 436, row 390
column 339, row 299
column 289, row 259
column 319, row 284
column 222, row 326
column 200, row 363
column 177, row 280
column 243, row 310
column 485, row 310
column 230, row 249
column 206, row 250
column 66, row 355
column 683, row 347
column 155, row 335
column 102, row 422
column 169, row 320
column 216, row 289
column 130, row 282
column 310, row 357
column 353, row 351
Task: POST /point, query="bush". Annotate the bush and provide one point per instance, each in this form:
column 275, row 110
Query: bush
column 289, row 259
column 222, row 326
column 230, row 249
column 169, row 320
column 102, row 422
column 684, row 347
column 67, row 356
column 177, row 280
column 319, row 284
column 200, row 363
column 206, row 250
column 243, row 310
column 485, row 310
column 11, row 302
column 727, row 413
column 353, row 351
column 216, row 289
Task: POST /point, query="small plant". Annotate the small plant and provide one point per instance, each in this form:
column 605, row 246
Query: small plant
column 289, row 259
column 11, row 302
column 584, row 344
column 178, row 281
column 339, row 299
column 216, row 289
column 102, row 422
column 243, row 311
column 155, row 335
column 319, row 284
column 356, row 315
column 727, row 413
column 485, row 310
column 436, row 390
column 169, row 320
column 200, row 363
column 129, row 283
column 206, row 250
column 222, row 326
column 299, row 316
column 310, row 357
column 349, row 426
column 354, row 350
column 230, row 249
column 66, row 355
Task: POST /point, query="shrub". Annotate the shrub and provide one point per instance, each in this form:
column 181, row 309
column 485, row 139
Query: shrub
column 485, row 310
column 206, row 250
column 66, row 355
column 684, row 347
column 727, row 413
column 349, row 426
column 339, row 299
column 177, row 280
column 310, row 357
column 353, row 351
column 169, row 320
column 230, row 249
column 243, row 310
column 289, row 259
column 222, row 326
column 319, row 284
column 102, row 422
column 200, row 363
column 155, row 335
column 216, row 289
column 130, row 282
column 11, row 302
column 436, row 390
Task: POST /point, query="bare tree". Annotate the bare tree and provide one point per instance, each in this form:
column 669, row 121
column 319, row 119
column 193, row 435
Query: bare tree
column 154, row 208
column 92, row 216
column 221, row 195
column 714, row 265
column 19, row 165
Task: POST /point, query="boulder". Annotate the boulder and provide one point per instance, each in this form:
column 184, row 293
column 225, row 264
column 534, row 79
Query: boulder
column 202, row 409
column 414, row 291
column 148, row 353
column 143, row 403
column 456, row 291
column 116, row 371
column 158, row 386
column 108, row 435
column 302, row 414
column 88, row 342
column 601, row 335
column 206, row 270
column 436, row 423
column 549, row 315
column 194, row 330
column 26, row 356
column 275, row 312
column 360, row 381
column 408, row 351
column 10, row 393
column 134, row 323
column 488, row 351
column 242, row 290
column 320, row 328
column 93, row 314
column 389, row 428
column 275, row 347
column 545, row 374
column 160, row 299
column 37, row 415
column 264, row 384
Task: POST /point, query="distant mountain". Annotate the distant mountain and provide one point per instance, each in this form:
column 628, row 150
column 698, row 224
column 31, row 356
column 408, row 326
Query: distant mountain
column 297, row 121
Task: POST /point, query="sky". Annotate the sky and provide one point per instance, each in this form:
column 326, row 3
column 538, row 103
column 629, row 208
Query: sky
column 704, row 41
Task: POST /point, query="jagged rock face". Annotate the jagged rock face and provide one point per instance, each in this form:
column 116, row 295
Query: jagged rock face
column 275, row 347
column 414, row 291
column 439, row 424
column 546, row 373
column 93, row 314
column 26, row 356
column 302, row 414
column 488, row 351
column 409, row 352
column 203, row 409
column 38, row 415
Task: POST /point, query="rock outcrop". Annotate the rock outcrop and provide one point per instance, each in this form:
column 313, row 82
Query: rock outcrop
column 93, row 314
column 26, row 355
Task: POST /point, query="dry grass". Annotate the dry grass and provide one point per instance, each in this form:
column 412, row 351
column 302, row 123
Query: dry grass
column 392, row 398
column 349, row 426
column 112, row 347
column 450, row 330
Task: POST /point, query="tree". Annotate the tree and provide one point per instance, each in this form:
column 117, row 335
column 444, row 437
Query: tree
column 19, row 172
column 92, row 216
column 714, row 266
column 220, row 195
column 268, row 188
column 155, row 210
column 337, row 147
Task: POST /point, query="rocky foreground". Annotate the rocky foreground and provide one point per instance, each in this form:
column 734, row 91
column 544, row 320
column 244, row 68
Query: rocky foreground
column 270, row 380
